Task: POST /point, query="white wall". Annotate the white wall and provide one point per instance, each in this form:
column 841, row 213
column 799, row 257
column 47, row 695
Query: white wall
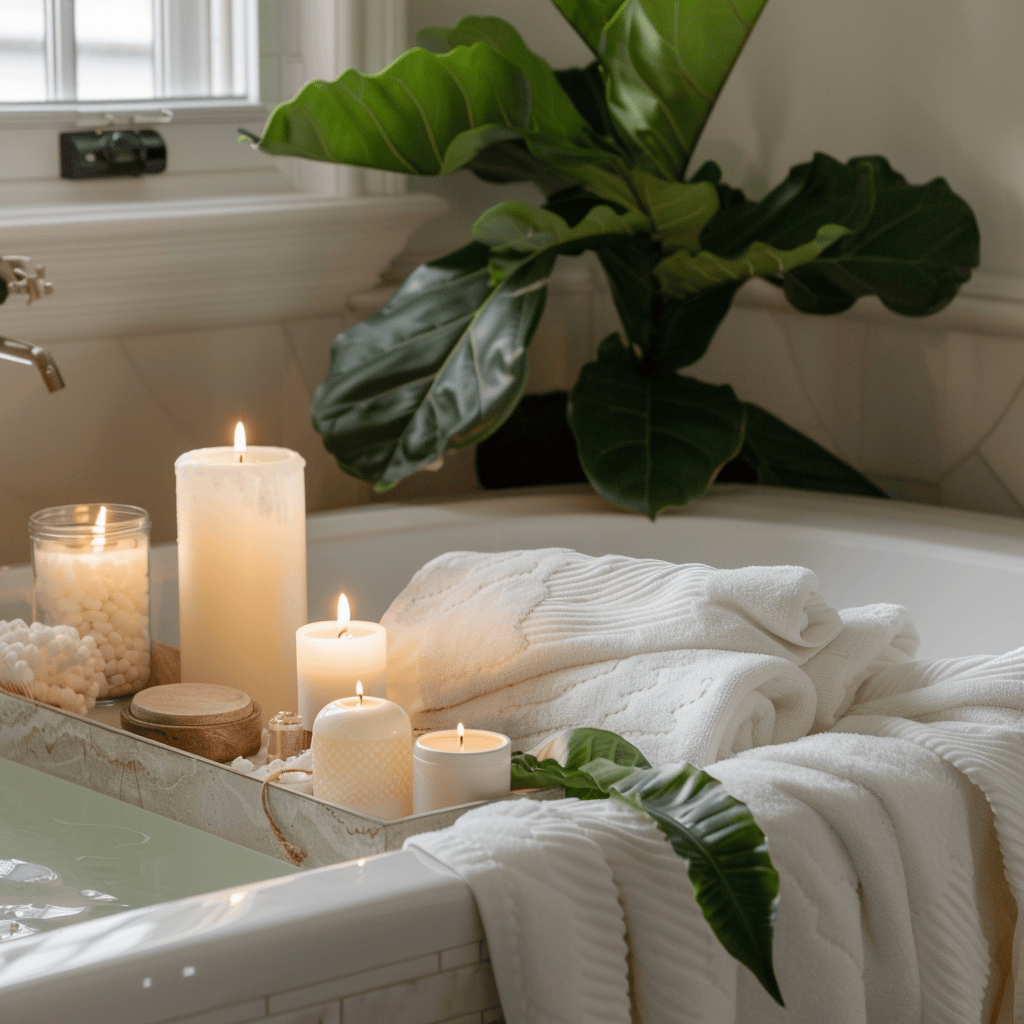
column 934, row 408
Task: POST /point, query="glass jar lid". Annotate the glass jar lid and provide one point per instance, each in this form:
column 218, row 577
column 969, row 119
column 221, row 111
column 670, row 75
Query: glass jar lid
column 65, row 522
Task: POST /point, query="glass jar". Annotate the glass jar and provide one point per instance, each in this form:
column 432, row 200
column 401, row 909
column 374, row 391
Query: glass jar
column 90, row 567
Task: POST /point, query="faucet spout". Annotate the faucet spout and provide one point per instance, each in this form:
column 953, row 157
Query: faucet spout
column 32, row 355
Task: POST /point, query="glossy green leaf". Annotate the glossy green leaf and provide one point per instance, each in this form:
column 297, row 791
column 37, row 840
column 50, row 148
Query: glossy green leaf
column 682, row 275
column 553, row 113
column 585, row 87
column 588, row 18
column 783, row 457
column 629, row 266
column 442, row 364
column 916, row 250
column 726, row 856
column 686, row 326
column 514, row 226
column 505, row 162
column 679, row 211
column 576, row 748
column 666, row 64
column 911, row 245
column 430, row 113
column 649, row 439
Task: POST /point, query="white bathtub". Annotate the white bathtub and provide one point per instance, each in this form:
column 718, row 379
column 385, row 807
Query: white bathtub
column 391, row 939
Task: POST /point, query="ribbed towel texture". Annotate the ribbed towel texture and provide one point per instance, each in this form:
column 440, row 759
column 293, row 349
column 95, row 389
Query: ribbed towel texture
column 891, row 791
column 686, row 661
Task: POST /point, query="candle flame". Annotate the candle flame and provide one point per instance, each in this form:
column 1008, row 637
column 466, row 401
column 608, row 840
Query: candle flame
column 462, row 736
column 359, row 690
column 344, row 615
column 240, row 440
column 100, row 529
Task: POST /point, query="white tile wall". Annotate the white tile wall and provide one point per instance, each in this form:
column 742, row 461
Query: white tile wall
column 932, row 413
column 452, row 986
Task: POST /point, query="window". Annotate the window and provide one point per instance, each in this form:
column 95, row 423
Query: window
column 123, row 51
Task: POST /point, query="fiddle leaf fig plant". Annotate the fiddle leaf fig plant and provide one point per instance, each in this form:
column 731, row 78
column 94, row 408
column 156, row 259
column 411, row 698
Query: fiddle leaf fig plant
column 443, row 364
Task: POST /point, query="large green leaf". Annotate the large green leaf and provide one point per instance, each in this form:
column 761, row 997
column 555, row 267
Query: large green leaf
column 726, row 855
column 686, row 326
column 648, row 438
column 912, row 245
column 430, row 113
column 919, row 246
column 682, row 275
column 443, row 363
column 588, row 18
column 514, row 226
column 552, row 111
column 665, row 65
column 679, row 211
column 783, row 457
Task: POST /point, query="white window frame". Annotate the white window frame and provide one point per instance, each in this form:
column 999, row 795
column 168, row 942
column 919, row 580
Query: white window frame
column 282, row 238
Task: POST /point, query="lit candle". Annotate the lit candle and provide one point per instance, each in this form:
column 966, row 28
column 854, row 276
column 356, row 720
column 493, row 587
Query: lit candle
column 331, row 656
column 92, row 572
column 242, row 568
column 460, row 766
column 362, row 756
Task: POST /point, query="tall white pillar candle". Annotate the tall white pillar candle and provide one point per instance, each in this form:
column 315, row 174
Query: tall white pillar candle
column 362, row 756
column 242, row 569
column 331, row 657
column 460, row 766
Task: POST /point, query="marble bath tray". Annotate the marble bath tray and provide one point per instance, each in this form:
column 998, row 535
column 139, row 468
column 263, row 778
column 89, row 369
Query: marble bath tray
column 198, row 792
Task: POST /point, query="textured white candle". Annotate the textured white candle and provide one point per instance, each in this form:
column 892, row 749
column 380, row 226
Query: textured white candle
column 331, row 657
column 362, row 756
column 242, row 570
column 448, row 770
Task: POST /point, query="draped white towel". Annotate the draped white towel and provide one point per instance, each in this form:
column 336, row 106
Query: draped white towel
column 470, row 624
column 875, row 840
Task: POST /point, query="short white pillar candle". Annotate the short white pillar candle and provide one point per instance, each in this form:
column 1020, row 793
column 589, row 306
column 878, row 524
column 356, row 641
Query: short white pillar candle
column 331, row 657
column 460, row 766
column 362, row 756
column 242, row 568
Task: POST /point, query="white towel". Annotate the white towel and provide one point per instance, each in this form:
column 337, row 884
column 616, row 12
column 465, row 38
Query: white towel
column 694, row 706
column 470, row 623
column 872, row 638
column 874, row 839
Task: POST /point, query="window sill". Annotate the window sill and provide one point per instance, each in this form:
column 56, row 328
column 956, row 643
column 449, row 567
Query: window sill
column 132, row 268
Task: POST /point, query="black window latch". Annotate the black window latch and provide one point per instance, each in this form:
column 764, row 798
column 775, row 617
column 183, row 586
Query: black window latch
column 110, row 154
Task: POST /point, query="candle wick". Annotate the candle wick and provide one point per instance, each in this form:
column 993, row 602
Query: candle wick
column 462, row 743
column 240, row 457
column 344, row 633
column 360, row 700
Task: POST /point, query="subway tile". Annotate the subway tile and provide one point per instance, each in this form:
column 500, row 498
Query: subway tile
column 238, row 1013
column 460, row 956
column 326, row 1013
column 973, row 485
column 340, row 987
column 1002, row 448
column 426, row 1001
column 983, row 374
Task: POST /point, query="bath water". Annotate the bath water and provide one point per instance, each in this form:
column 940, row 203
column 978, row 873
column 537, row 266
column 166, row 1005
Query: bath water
column 68, row 855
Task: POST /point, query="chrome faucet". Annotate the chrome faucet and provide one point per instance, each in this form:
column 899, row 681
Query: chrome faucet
column 32, row 355
column 20, row 276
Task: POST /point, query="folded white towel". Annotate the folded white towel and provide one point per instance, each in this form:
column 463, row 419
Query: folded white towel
column 872, row 638
column 694, row 706
column 470, row 623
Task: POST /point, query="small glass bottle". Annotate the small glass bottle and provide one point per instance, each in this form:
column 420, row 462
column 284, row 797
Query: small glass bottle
column 284, row 736
column 90, row 568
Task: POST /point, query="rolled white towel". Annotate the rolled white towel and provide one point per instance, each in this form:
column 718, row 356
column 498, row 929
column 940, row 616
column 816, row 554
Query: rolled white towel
column 694, row 706
column 873, row 638
column 470, row 624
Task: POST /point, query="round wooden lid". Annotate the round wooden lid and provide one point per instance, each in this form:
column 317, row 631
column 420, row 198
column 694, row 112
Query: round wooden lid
column 190, row 704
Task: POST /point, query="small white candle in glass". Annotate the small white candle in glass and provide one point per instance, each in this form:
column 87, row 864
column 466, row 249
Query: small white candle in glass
column 460, row 766
column 362, row 756
column 91, row 571
column 242, row 568
column 331, row 657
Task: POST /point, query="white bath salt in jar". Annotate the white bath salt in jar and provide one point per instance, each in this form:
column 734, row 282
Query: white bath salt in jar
column 91, row 571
